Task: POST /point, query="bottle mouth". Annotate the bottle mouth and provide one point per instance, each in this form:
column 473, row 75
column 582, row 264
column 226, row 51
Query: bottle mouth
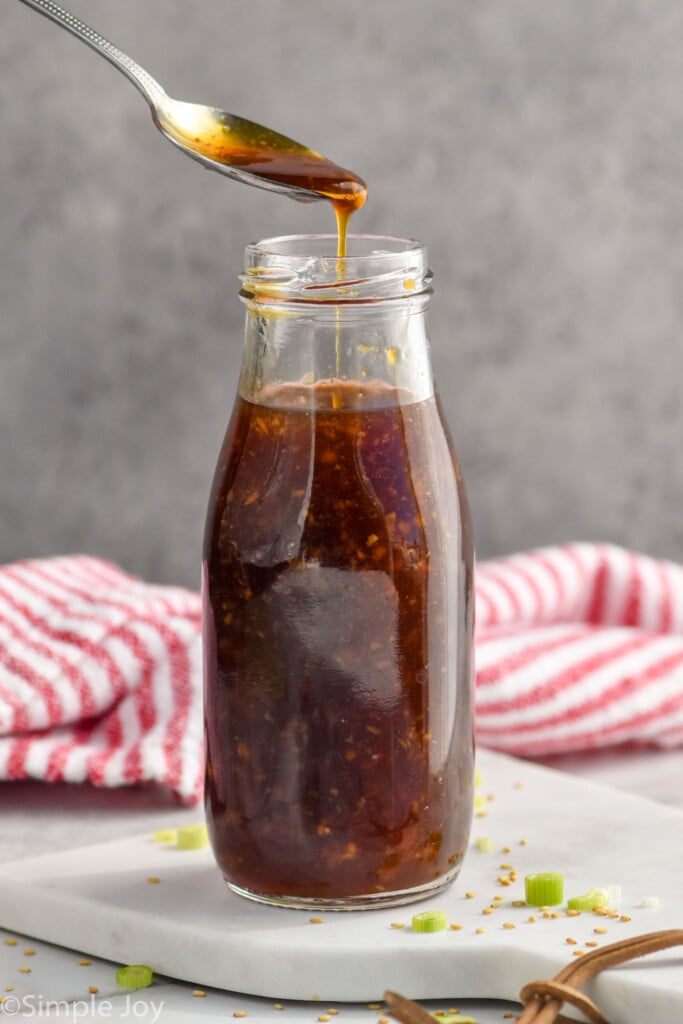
column 304, row 268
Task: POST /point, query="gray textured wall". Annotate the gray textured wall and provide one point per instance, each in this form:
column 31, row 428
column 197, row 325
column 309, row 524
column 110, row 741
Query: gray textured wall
column 536, row 146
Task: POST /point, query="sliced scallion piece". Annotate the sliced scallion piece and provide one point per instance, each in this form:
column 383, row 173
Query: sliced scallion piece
column 134, row 976
column 165, row 835
column 453, row 1018
column 545, row 889
column 429, row 921
column 192, row 837
column 589, row 900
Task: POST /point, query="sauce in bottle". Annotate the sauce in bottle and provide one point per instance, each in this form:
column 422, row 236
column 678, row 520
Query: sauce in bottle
column 337, row 589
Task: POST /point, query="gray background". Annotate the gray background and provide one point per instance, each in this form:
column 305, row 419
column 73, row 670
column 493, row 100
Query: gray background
column 535, row 145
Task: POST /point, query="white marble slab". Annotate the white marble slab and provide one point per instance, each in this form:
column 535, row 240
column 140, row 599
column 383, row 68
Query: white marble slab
column 58, row 990
column 190, row 927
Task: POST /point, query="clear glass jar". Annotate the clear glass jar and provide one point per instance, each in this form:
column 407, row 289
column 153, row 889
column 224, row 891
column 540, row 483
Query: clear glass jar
column 337, row 591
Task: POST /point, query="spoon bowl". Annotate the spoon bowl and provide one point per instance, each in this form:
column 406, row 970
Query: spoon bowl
column 221, row 141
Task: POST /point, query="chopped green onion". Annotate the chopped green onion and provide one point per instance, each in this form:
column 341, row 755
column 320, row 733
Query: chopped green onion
column 650, row 902
column 485, row 845
column 590, row 900
column 192, row 837
column 134, row 976
column 477, row 778
column 545, row 889
column 453, row 1018
column 429, row 921
column 479, row 801
column 165, row 835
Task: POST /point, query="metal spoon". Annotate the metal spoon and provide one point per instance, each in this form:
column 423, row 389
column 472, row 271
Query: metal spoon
column 221, row 141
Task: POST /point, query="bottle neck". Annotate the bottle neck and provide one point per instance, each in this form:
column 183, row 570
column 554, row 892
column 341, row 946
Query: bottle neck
column 378, row 358
column 321, row 331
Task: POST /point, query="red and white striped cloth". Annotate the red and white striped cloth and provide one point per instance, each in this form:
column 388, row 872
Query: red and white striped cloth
column 577, row 647
column 99, row 677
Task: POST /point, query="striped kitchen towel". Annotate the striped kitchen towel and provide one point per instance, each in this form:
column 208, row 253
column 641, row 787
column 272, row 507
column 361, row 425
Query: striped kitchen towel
column 99, row 677
column 577, row 647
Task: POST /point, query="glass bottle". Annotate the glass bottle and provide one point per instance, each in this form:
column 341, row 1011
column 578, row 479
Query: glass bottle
column 337, row 587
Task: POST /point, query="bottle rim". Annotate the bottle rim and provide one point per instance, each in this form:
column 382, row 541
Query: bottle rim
column 305, row 268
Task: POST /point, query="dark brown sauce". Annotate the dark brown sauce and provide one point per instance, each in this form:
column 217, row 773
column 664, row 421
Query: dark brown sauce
column 337, row 762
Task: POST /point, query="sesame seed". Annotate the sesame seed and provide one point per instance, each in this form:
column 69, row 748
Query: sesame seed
column 506, row 867
column 333, row 1011
column 455, row 927
column 25, row 970
column 84, row 963
column 518, row 903
column 316, row 920
column 578, row 952
column 487, row 910
column 570, row 942
column 398, row 924
column 573, row 913
column 509, row 924
column 153, row 880
column 93, row 989
column 592, row 943
column 601, row 931
column 198, row 993
column 324, row 1016
column 9, row 988
column 507, row 849
column 480, row 931
column 240, row 1013
column 374, row 1006
column 278, row 1006
column 624, row 917
column 29, row 952
column 470, row 895
column 10, row 942
column 522, row 842
column 532, row 919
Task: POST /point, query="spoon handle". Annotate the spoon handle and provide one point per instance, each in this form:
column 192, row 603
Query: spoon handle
column 143, row 81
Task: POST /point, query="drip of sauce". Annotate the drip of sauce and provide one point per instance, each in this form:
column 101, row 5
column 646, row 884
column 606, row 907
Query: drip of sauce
column 268, row 155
